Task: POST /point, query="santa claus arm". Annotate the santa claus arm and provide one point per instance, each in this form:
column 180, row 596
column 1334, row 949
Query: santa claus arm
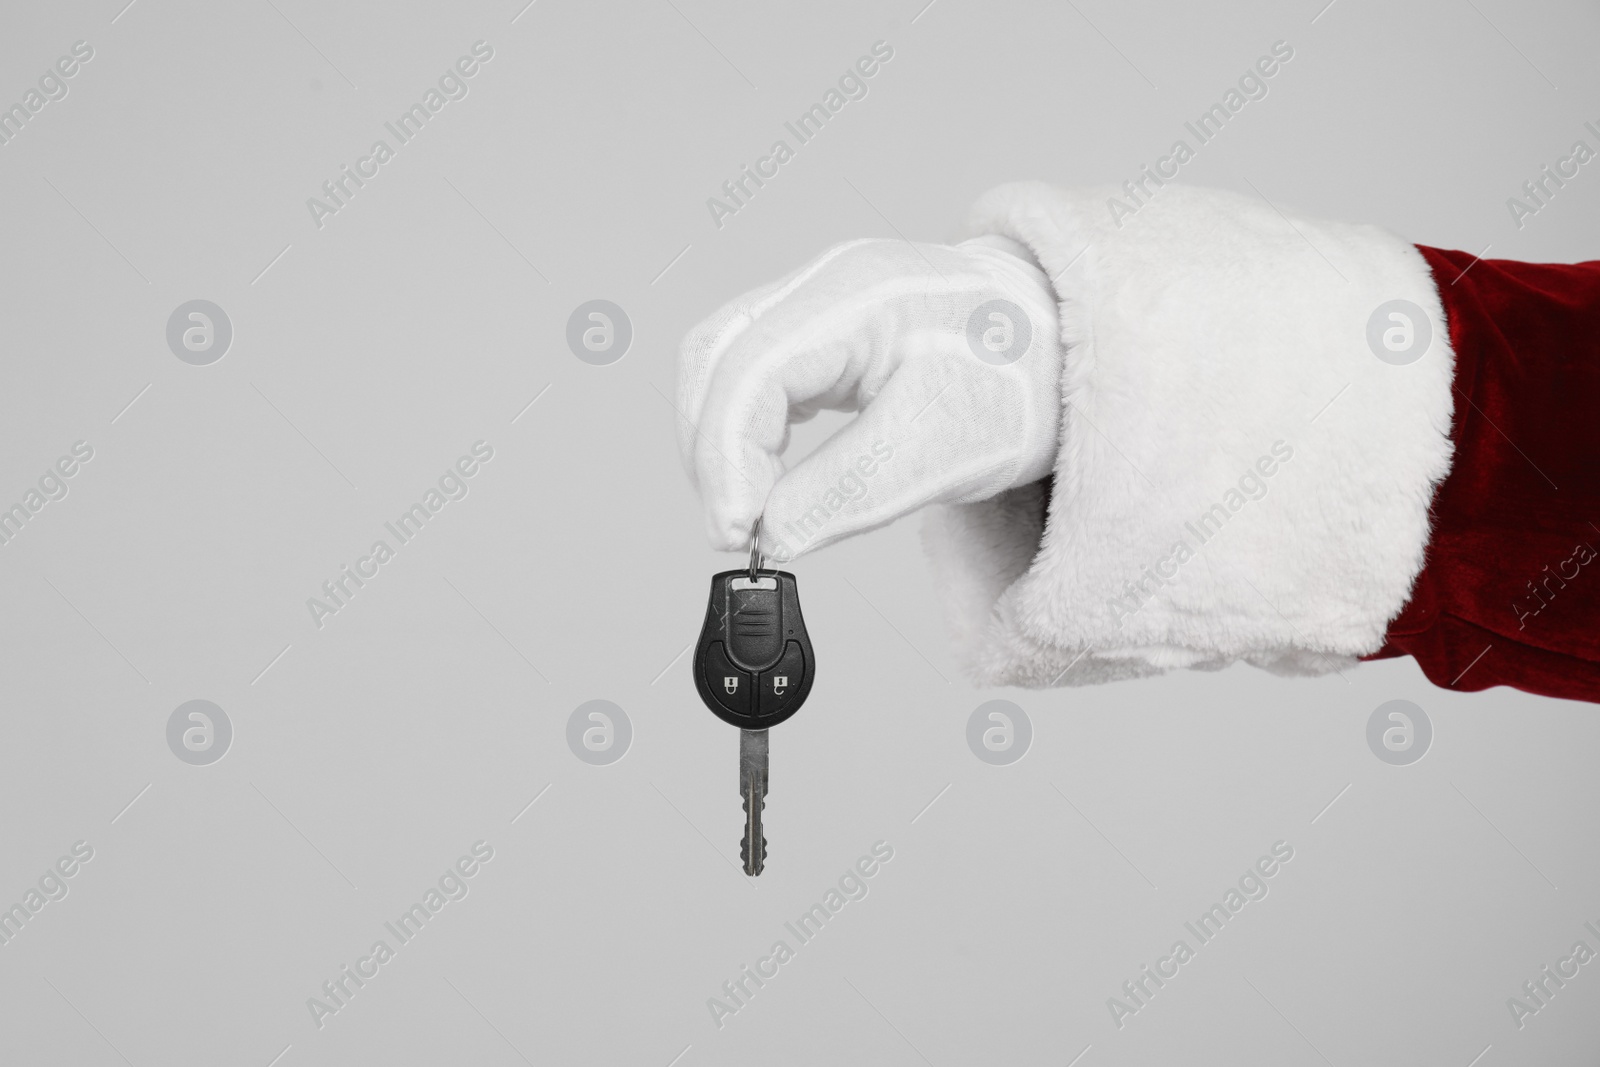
column 1510, row 591
column 1295, row 443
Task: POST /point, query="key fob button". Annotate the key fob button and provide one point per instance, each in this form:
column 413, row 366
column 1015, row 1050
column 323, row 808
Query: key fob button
column 755, row 624
column 728, row 685
column 782, row 686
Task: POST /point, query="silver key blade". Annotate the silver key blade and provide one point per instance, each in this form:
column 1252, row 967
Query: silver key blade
column 753, row 788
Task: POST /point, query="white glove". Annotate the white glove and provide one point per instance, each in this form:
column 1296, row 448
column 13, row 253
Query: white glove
column 959, row 401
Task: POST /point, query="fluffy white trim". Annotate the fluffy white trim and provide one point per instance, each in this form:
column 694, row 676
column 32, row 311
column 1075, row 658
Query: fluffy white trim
column 1202, row 334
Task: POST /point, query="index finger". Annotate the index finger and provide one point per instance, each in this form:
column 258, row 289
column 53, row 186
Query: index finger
column 704, row 347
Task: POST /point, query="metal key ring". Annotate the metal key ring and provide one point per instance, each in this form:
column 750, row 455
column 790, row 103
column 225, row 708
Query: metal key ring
column 755, row 549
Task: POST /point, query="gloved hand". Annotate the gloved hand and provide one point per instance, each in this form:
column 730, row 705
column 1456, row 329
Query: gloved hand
column 952, row 354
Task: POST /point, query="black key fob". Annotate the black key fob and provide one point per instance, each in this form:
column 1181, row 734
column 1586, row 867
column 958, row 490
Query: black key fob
column 754, row 664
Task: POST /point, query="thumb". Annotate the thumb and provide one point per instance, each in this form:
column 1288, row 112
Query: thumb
column 944, row 429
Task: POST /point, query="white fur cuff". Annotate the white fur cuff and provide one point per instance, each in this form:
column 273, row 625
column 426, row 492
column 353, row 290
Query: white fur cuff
column 1239, row 475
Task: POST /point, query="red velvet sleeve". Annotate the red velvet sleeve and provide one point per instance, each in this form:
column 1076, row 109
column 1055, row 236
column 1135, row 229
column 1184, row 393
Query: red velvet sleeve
column 1510, row 590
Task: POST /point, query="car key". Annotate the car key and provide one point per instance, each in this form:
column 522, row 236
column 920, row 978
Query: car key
column 753, row 668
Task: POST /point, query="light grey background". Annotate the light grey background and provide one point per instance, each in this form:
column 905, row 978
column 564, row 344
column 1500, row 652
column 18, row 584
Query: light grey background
column 370, row 754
